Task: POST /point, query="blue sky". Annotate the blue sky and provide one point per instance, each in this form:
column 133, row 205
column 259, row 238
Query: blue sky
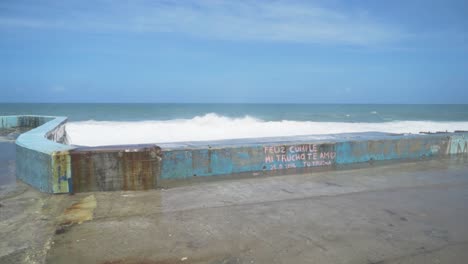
column 234, row 51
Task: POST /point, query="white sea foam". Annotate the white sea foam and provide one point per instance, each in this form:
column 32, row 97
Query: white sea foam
column 215, row 127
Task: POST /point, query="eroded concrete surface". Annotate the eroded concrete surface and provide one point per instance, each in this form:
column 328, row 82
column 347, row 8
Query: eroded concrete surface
column 413, row 212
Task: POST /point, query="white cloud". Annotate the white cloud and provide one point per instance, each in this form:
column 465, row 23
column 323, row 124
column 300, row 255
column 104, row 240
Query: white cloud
column 277, row 21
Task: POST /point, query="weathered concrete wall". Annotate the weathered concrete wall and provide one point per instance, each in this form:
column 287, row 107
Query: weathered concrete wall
column 388, row 148
column 47, row 163
column 185, row 161
column 41, row 162
column 115, row 168
column 8, row 121
column 34, row 168
column 457, row 144
column 23, row 121
column 58, row 134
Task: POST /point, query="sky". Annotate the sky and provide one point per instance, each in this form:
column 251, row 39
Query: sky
column 240, row 51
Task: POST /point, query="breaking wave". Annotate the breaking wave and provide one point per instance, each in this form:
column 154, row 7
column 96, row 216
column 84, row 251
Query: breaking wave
column 215, row 127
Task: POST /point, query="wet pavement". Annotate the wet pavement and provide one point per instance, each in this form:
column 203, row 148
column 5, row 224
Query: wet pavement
column 414, row 212
column 7, row 162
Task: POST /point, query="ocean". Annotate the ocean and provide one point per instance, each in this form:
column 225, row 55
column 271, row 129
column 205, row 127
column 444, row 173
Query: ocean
column 93, row 124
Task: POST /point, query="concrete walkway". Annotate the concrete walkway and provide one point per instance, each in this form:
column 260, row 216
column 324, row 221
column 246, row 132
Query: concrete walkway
column 413, row 212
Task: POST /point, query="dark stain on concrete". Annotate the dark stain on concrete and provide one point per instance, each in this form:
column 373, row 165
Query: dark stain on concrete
column 401, row 218
column 77, row 213
column 333, row 184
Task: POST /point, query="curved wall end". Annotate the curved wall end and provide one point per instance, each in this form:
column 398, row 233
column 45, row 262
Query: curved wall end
column 42, row 158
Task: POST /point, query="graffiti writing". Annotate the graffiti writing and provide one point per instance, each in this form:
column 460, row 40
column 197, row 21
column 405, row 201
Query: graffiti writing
column 298, row 156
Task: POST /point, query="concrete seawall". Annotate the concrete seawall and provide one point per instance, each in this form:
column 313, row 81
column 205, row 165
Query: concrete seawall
column 302, row 152
column 39, row 161
column 45, row 161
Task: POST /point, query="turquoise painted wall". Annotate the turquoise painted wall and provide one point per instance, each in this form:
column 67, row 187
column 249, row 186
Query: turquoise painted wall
column 203, row 159
column 37, row 161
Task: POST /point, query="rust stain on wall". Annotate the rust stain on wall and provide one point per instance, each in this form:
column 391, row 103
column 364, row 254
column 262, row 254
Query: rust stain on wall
column 61, row 172
column 109, row 169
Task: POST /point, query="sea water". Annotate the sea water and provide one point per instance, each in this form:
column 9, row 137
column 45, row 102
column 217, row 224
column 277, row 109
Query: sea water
column 106, row 124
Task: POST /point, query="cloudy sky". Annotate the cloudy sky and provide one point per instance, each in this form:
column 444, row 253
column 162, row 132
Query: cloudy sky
column 234, row 51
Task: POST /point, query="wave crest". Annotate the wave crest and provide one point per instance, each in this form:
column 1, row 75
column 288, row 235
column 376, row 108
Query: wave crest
column 215, row 127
